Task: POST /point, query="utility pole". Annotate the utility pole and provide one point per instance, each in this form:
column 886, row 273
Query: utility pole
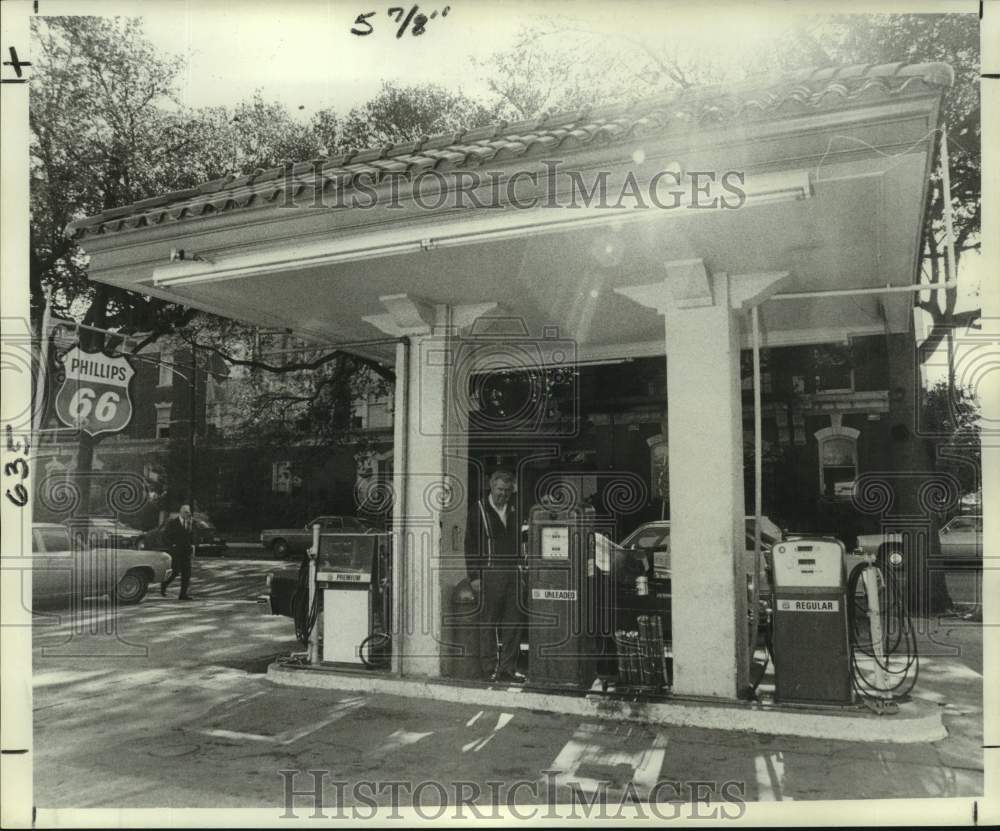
column 193, row 387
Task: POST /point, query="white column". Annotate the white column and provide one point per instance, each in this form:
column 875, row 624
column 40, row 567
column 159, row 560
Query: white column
column 704, row 412
column 430, row 471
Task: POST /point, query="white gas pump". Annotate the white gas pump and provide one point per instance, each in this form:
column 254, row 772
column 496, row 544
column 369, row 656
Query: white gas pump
column 352, row 586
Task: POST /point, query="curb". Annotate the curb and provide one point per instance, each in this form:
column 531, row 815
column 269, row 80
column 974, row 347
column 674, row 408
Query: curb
column 916, row 721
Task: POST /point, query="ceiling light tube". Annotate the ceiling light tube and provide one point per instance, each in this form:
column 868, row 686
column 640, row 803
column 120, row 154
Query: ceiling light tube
column 760, row 190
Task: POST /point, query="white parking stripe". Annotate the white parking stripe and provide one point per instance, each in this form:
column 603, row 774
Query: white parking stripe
column 586, row 747
column 770, row 769
column 478, row 744
column 400, row 738
column 348, row 705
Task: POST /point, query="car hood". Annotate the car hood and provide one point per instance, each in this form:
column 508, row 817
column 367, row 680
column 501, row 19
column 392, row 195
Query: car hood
column 147, row 555
column 876, row 539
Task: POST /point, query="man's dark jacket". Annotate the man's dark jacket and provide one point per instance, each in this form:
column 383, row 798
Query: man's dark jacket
column 488, row 543
column 178, row 539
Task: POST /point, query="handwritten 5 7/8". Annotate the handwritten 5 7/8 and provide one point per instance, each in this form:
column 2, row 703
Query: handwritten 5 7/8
column 363, row 27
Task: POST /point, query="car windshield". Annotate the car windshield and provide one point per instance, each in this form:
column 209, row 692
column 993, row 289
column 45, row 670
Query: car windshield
column 968, row 523
column 653, row 537
column 658, row 536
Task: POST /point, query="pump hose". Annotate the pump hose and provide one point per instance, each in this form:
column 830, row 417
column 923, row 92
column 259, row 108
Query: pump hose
column 896, row 621
column 374, row 641
column 303, row 614
column 764, row 630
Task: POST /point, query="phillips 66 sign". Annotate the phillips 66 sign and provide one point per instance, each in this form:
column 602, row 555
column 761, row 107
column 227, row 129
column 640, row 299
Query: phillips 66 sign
column 94, row 395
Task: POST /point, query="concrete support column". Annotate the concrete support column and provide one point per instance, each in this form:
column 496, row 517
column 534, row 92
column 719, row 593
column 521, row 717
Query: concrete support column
column 430, row 466
column 705, row 435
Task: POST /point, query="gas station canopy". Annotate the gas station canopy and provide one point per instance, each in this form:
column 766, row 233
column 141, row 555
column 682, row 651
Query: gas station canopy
column 834, row 165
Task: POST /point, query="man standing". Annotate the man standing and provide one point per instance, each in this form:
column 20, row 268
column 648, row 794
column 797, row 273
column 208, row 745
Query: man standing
column 178, row 537
column 492, row 553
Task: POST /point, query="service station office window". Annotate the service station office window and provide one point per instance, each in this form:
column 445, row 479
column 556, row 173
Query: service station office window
column 838, row 461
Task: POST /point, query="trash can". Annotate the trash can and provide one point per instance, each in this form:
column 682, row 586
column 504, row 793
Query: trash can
column 460, row 632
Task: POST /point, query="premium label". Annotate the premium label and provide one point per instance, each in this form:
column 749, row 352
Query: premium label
column 343, row 577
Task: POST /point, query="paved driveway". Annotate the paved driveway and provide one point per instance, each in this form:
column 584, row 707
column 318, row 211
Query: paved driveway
column 172, row 710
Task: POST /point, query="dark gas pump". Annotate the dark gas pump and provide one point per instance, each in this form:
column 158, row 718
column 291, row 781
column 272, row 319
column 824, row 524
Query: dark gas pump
column 563, row 649
column 812, row 655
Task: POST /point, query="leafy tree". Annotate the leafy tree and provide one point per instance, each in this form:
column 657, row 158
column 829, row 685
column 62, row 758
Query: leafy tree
column 108, row 129
column 951, row 415
column 282, row 390
column 398, row 114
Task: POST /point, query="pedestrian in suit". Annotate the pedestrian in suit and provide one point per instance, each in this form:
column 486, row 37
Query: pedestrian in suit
column 493, row 552
column 179, row 540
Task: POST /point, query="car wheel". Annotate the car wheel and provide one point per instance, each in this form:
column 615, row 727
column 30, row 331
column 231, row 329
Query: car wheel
column 132, row 587
column 280, row 549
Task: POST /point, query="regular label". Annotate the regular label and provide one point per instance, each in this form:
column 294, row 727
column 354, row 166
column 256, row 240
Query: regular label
column 553, row 594
column 808, row 605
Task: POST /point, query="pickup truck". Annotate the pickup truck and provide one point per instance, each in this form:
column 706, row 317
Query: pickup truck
column 292, row 542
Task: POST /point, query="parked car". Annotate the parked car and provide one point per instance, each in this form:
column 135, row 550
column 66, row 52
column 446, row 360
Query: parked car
column 291, row 542
column 208, row 543
column 282, row 586
column 59, row 571
column 654, row 539
column 962, row 552
column 110, row 530
column 962, row 537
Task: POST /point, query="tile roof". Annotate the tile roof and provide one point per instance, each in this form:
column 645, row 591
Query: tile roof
column 803, row 91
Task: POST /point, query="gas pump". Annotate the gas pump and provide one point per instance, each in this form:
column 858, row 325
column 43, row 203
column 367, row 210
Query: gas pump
column 812, row 656
column 351, row 577
column 560, row 553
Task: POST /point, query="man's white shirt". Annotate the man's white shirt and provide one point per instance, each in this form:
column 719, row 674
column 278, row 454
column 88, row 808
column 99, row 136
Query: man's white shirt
column 501, row 512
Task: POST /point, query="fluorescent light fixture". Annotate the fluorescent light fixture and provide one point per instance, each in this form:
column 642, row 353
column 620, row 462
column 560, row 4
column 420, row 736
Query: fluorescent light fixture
column 481, row 227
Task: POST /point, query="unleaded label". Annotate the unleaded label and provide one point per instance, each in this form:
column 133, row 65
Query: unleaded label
column 808, row 605
column 553, row 594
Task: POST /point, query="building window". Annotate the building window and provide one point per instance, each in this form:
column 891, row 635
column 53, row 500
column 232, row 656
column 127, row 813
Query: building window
column 166, row 378
column 163, row 421
column 838, row 461
column 372, row 412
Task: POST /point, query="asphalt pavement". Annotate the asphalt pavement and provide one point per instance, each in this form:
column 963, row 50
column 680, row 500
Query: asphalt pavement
column 165, row 704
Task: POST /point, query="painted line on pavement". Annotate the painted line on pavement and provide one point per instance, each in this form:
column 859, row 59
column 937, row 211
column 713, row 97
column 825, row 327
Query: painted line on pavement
column 586, row 748
column 348, row 705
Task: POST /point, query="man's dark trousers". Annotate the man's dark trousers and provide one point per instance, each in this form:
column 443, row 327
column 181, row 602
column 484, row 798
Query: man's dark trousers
column 180, row 564
column 179, row 541
column 501, row 616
